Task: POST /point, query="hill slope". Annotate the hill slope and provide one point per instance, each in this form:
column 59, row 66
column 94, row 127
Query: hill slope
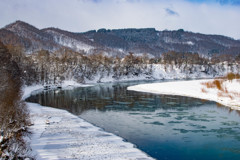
column 117, row 42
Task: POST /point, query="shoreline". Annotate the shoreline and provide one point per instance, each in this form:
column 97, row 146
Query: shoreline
column 192, row 88
column 58, row 134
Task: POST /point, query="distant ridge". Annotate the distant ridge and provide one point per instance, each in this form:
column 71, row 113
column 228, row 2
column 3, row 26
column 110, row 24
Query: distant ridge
column 117, row 42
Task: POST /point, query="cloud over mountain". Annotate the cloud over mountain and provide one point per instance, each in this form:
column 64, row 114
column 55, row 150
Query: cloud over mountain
column 210, row 17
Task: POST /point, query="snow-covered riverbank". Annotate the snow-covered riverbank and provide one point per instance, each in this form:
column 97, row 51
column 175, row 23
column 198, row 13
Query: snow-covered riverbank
column 196, row 89
column 57, row 134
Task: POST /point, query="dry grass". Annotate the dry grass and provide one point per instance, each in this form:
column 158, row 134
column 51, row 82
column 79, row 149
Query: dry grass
column 208, row 84
column 219, row 85
column 215, row 84
column 231, row 76
column 222, row 94
column 204, row 90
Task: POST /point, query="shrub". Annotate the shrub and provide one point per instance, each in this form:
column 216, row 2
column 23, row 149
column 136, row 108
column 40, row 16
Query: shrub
column 218, row 84
column 231, row 76
column 208, row 84
column 14, row 117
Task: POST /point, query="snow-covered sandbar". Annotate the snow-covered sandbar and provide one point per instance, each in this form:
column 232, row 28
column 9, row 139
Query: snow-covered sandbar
column 58, row 134
column 196, row 89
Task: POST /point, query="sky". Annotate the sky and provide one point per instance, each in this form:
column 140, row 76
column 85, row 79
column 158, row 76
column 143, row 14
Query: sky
column 203, row 16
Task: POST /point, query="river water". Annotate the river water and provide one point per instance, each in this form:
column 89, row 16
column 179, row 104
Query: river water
column 163, row 126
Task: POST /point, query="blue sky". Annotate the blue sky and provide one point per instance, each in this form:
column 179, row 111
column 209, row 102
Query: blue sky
column 204, row 16
column 223, row 2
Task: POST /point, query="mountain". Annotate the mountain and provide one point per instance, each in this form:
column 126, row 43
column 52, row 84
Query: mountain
column 117, row 41
column 23, row 34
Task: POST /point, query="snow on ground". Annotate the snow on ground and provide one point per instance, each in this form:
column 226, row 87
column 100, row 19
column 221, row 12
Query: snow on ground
column 27, row 90
column 69, row 84
column 193, row 89
column 57, row 134
column 108, row 79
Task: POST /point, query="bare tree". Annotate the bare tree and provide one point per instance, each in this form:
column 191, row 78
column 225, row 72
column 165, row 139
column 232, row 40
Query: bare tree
column 14, row 117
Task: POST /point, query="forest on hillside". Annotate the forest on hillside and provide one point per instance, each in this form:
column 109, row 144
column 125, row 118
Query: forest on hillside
column 44, row 67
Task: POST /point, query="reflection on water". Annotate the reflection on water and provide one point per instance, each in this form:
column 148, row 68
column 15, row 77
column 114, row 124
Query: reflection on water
column 165, row 127
column 110, row 97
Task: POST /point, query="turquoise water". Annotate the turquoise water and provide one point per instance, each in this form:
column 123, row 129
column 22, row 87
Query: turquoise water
column 165, row 127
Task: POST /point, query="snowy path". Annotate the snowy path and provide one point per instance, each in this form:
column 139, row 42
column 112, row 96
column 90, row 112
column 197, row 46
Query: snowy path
column 193, row 89
column 57, row 134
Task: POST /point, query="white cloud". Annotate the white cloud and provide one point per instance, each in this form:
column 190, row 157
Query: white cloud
column 83, row 15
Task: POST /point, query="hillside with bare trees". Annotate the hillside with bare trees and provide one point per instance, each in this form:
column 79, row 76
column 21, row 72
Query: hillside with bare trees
column 14, row 117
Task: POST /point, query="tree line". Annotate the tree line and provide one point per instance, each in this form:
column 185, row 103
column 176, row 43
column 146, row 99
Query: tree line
column 53, row 68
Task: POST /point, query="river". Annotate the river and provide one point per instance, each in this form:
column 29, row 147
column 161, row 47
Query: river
column 163, row 126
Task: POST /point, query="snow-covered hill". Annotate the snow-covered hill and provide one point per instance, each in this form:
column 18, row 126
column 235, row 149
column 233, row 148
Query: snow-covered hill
column 67, row 41
column 117, row 42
